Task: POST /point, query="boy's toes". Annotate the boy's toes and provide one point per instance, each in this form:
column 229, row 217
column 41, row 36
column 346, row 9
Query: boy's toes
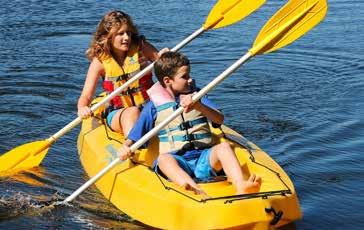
column 252, row 185
column 258, row 180
column 252, row 178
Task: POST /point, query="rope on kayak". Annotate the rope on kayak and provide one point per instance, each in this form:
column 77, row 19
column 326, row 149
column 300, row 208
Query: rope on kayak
column 228, row 199
column 240, row 140
column 107, row 131
column 245, row 143
column 175, row 190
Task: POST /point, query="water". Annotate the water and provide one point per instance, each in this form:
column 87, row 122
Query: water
column 303, row 104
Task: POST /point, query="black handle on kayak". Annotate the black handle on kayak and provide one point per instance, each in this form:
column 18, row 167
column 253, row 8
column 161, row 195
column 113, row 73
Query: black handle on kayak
column 277, row 215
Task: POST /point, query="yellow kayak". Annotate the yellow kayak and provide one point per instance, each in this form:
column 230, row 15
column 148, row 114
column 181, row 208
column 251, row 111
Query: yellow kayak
column 134, row 188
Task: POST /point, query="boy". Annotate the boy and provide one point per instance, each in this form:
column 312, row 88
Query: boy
column 186, row 148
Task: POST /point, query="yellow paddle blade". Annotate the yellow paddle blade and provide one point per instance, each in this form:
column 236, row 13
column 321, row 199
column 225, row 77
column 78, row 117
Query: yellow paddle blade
column 226, row 12
column 24, row 156
column 291, row 22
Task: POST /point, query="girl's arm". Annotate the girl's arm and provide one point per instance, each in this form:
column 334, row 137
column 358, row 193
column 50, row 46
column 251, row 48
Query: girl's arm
column 149, row 51
column 95, row 70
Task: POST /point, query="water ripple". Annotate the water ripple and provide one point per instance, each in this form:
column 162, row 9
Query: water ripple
column 303, row 104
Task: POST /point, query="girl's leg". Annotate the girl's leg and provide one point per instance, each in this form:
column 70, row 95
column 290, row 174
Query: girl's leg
column 223, row 157
column 170, row 167
column 124, row 120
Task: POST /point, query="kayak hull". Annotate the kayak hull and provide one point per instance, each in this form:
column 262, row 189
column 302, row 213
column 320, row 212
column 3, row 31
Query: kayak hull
column 134, row 188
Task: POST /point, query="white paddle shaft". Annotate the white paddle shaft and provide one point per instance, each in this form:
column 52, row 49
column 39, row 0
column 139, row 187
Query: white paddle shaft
column 117, row 91
column 157, row 128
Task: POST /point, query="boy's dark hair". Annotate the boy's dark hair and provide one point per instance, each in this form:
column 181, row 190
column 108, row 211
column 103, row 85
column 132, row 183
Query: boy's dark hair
column 168, row 64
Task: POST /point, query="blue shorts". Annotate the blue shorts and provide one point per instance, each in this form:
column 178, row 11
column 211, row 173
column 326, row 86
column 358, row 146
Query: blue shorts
column 110, row 117
column 197, row 167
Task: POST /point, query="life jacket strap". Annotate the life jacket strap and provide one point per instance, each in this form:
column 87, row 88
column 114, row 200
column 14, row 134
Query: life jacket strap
column 184, row 125
column 188, row 137
column 167, row 106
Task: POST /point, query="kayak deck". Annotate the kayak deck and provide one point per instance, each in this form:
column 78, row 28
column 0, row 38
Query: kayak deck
column 134, row 188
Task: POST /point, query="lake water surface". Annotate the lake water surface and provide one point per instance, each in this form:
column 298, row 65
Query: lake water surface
column 304, row 105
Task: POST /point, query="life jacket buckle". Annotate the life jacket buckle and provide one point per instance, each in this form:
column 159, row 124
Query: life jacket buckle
column 190, row 137
column 123, row 77
column 185, row 125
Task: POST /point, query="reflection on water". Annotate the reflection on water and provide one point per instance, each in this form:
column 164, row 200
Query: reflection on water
column 34, row 177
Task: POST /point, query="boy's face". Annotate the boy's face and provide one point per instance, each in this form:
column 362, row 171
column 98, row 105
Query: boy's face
column 181, row 82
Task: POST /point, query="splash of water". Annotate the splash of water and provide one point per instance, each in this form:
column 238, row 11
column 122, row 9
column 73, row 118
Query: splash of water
column 19, row 204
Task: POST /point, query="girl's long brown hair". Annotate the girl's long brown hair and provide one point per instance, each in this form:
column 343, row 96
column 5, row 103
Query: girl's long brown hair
column 101, row 44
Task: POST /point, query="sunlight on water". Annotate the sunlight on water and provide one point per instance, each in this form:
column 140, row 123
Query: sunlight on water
column 303, row 105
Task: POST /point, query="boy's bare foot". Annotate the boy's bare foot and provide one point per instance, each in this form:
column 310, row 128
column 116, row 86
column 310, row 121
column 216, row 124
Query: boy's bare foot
column 252, row 185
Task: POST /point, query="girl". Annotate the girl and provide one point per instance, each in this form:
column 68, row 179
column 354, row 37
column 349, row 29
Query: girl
column 117, row 52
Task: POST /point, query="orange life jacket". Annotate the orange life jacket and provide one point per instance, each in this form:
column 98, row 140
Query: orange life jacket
column 115, row 76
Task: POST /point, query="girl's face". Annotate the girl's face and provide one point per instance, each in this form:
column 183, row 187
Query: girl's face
column 122, row 39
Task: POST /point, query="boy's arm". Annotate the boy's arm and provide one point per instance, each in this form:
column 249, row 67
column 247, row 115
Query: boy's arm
column 143, row 125
column 214, row 115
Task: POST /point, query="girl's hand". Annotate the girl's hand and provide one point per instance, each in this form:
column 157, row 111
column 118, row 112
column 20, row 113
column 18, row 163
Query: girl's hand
column 143, row 61
column 84, row 112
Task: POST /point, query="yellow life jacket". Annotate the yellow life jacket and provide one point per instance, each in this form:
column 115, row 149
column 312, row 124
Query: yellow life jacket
column 115, row 76
column 189, row 130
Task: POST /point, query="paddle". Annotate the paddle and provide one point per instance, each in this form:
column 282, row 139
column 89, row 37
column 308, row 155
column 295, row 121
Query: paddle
column 224, row 13
column 291, row 22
